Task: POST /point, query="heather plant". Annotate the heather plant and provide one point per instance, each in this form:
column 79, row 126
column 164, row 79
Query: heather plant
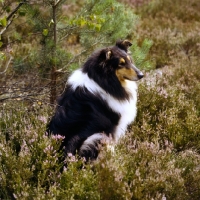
column 173, row 32
column 144, row 165
column 28, row 156
column 170, row 120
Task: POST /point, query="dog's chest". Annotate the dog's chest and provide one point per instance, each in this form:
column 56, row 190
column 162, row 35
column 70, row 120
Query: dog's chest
column 127, row 109
column 128, row 114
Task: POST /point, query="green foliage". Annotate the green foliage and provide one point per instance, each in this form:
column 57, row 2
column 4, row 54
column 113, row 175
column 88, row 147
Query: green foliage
column 24, row 64
column 140, row 54
column 98, row 23
column 102, row 23
column 3, row 21
column 105, row 13
column 45, row 32
column 2, row 56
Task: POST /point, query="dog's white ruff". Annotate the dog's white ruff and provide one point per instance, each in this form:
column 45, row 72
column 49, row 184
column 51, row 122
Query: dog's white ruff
column 126, row 108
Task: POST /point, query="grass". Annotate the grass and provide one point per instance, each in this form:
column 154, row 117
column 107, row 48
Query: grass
column 159, row 157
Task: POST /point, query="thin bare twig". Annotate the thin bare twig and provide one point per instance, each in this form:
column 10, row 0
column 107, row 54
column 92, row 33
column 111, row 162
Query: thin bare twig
column 57, row 2
column 7, row 65
column 15, row 10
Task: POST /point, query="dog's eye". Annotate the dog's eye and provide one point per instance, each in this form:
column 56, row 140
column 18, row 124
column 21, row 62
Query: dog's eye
column 122, row 61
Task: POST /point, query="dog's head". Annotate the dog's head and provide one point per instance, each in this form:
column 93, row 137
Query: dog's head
column 117, row 58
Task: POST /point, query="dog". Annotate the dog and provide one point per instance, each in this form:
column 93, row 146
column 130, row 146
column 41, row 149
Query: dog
column 99, row 100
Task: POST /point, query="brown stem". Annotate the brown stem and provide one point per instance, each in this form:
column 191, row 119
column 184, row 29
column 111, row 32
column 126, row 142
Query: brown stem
column 54, row 67
column 53, row 85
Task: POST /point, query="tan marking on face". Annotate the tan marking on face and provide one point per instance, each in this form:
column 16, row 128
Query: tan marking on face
column 126, row 74
column 122, row 61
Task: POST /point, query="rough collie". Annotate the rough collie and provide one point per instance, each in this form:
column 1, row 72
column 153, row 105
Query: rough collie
column 99, row 99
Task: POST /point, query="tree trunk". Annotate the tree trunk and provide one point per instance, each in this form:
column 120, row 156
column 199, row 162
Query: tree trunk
column 53, row 92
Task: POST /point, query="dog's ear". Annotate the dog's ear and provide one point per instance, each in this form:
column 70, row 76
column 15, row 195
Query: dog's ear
column 108, row 54
column 105, row 54
column 123, row 44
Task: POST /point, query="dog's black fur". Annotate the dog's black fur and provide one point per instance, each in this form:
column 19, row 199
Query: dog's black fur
column 83, row 115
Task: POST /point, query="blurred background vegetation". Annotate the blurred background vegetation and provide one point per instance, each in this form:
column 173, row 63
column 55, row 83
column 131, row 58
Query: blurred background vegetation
column 49, row 39
column 42, row 42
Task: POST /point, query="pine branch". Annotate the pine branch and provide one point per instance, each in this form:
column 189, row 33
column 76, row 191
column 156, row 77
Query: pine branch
column 11, row 17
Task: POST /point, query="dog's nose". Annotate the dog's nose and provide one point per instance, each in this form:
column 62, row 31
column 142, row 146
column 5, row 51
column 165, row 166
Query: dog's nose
column 140, row 75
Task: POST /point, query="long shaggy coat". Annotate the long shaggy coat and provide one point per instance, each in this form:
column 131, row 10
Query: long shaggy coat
column 99, row 99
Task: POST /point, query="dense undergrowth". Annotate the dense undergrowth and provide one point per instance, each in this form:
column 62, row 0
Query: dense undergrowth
column 160, row 155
